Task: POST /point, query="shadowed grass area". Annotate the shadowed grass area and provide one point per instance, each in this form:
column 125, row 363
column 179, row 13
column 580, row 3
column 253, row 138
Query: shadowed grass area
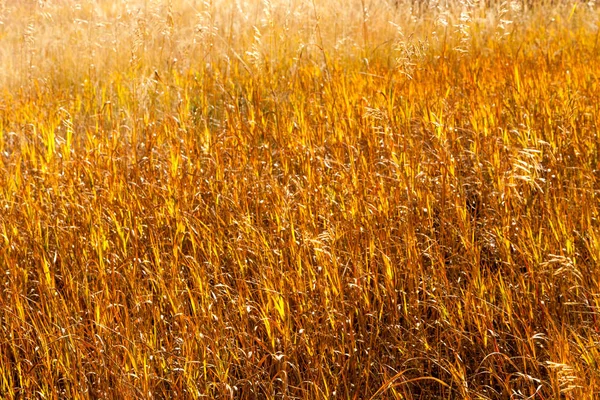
column 353, row 200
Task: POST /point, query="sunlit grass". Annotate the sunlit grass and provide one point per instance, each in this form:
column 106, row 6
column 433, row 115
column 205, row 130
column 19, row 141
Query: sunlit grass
column 299, row 200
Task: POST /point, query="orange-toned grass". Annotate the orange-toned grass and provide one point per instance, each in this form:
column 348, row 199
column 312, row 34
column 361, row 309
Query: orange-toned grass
column 299, row 200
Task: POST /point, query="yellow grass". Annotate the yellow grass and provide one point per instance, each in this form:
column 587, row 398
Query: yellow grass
column 294, row 199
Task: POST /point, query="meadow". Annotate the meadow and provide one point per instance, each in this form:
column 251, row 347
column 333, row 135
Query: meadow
column 323, row 199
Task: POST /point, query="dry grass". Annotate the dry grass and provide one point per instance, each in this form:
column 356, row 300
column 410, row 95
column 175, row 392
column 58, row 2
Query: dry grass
column 293, row 199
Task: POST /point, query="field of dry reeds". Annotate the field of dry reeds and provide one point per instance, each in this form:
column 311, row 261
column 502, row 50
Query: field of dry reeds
column 323, row 199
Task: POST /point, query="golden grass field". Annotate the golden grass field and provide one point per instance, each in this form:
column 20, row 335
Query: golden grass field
column 326, row 199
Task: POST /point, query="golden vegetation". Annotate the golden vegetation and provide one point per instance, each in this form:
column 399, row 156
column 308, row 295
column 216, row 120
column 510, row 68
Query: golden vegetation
column 290, row 199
